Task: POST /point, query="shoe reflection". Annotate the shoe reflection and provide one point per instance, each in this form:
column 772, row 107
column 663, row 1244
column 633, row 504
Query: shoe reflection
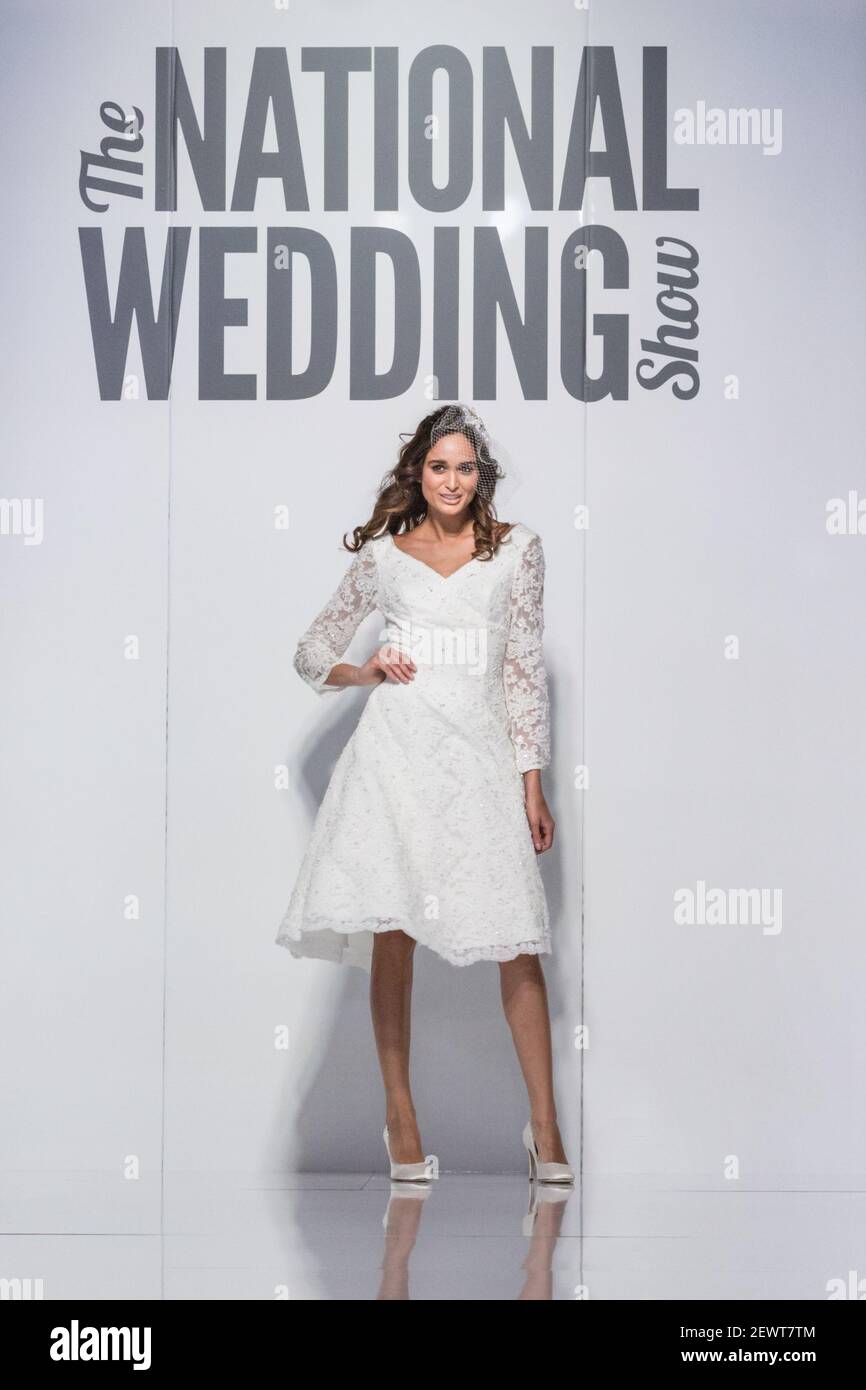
column 541, row 1227
column 401, row 1222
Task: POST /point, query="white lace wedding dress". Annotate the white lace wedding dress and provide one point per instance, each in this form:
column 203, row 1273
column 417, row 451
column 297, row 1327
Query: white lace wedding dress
column 422, row 827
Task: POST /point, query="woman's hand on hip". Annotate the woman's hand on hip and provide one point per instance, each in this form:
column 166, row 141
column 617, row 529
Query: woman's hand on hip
column 388, row 663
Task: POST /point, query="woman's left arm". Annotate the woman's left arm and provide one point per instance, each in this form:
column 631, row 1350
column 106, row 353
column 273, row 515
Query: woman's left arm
column 526, row 693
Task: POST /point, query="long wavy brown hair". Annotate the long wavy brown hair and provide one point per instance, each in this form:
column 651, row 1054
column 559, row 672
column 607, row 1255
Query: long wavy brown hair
column 400, row 505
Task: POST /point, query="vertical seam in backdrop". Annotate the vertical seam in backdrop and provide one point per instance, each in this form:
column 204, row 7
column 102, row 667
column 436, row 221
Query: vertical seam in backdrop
column 171, row 329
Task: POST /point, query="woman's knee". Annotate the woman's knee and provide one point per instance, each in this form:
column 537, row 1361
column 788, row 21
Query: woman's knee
column 523, row 967
column 396, row 945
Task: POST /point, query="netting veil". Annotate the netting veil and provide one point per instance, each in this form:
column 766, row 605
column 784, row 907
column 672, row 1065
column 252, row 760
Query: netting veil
column 465, row 420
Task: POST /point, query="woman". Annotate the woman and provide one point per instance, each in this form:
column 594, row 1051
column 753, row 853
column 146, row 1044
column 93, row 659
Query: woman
column 434, row 815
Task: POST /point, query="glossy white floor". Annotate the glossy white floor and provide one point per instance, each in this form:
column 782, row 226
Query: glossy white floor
column 470, row 1237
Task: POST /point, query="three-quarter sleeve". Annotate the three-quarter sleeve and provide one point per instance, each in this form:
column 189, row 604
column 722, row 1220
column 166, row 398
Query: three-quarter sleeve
column 526, row 694
column 326, row 639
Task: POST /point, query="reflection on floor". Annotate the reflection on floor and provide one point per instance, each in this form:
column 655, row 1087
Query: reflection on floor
column 468, row 1237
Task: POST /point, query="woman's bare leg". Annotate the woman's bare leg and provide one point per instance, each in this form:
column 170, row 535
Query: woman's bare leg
column 524, row 999
column 391, row 1009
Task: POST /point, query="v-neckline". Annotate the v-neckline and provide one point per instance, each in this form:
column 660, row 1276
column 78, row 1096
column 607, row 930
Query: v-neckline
column 443, row 577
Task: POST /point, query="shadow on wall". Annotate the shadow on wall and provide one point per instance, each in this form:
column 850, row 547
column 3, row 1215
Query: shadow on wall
column 466, row 1081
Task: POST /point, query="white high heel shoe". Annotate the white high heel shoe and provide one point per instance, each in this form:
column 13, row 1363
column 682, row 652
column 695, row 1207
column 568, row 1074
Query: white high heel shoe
column 543, row 1172
column 411, row 1172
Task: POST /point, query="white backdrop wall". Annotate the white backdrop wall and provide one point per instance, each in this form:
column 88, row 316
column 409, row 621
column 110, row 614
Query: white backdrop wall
column 709, row 521
column 155, row 781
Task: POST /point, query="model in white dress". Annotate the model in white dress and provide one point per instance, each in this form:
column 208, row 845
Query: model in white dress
column 423, row 826
column 431, row 822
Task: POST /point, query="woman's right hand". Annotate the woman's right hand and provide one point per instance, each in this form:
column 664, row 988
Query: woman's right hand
column 388, row 663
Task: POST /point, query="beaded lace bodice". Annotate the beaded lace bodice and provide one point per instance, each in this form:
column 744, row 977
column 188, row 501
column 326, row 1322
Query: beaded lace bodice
column 487, row 608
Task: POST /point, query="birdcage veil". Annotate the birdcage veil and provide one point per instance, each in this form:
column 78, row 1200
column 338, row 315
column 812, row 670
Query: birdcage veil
column 465, row 420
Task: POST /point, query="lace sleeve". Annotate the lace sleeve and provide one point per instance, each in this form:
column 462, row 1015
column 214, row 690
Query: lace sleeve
column 526, row 694
column 330, row 633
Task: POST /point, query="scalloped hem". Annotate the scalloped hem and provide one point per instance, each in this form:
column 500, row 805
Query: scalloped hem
column 352, row 944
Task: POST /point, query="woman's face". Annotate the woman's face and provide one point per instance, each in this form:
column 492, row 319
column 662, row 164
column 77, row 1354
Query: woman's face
column 449, row 478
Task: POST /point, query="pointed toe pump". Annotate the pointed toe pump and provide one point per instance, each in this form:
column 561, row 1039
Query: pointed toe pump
column 543, row 1172
column 411, row 1172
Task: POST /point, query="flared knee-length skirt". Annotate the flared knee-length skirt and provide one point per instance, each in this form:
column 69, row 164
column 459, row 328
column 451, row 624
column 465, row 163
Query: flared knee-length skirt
column 422, row 829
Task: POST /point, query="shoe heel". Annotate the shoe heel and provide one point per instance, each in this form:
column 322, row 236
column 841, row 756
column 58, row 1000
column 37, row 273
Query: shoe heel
column 529, row 1145
column 411, row 1172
